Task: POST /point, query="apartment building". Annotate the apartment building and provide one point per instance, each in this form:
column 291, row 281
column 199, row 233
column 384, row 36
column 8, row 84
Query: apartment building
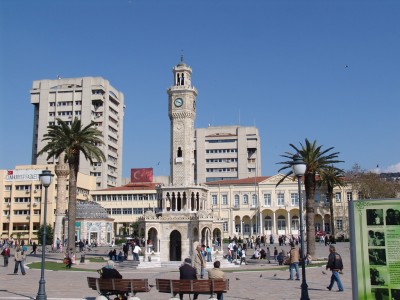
column 22, row 199
column 91, row 99
column 227, row 152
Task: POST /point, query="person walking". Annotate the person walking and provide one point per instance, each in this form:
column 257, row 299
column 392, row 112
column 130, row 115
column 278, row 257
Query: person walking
column 335, row 264
column 294, row 262
column 136, row 250
column 198, row 262
column 34, row 248
column 217, row 273
column 19, row 258
column 6, row 254
column 208, row 249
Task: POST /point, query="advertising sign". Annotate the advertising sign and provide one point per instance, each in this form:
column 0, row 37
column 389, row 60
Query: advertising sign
column 23, row 175
column 375, row 248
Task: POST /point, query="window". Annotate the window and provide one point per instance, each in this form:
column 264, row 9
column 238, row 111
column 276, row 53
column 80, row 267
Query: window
column 349, row 196
column 294, row 197
column 7, row 188
column 225, row 226
column 245, row 199
column 246, row 228
column 338, row 197
column 254, row 200
column 295, row 223
column 237, row 227
column 267, row 199
column 281, row 223
column 317, row 226
column 224, row 199
column 268, row 223
column 339, row 224
column 281, row 199
column 236, row 204
column 137, row 211
column 127, row 211
column 116, row 211
column 214, row 200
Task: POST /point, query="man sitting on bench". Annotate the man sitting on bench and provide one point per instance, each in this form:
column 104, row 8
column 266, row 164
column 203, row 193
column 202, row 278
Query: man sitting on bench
column 108, row 271
column 186, row 271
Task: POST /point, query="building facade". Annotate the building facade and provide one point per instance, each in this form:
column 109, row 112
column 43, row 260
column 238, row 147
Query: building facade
column 227, row 152
column 90, row 99
column 22, row 200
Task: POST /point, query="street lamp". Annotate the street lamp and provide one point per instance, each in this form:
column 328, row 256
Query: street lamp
column 45, row 180
column 299, row 169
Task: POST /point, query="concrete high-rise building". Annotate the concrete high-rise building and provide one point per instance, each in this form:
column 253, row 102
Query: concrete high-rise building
column 227, row 152
column 92, row 99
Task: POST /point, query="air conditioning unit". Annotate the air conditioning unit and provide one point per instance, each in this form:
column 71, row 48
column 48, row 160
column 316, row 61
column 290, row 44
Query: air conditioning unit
column 34, row 204
column 27, row 192
column 8, row 204
column 35, row 191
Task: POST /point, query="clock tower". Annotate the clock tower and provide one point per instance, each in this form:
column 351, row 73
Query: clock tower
column 182, row 113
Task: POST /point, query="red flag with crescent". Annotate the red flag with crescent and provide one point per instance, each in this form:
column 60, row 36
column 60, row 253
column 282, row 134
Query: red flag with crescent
column 142, row 175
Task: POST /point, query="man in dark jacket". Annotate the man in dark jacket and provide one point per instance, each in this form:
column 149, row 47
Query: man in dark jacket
column 335, row 264
column 108, row 271
column 186, row 271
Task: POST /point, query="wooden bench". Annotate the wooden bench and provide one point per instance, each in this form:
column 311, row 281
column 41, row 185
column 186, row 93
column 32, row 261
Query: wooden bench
column 187, row 286
column 109, row 287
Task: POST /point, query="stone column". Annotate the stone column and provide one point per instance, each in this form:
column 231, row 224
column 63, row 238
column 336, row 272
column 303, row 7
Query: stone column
column 62, row 172
column 274, row 220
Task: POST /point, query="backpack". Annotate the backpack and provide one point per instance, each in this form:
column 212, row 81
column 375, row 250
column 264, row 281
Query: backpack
column 235, row 247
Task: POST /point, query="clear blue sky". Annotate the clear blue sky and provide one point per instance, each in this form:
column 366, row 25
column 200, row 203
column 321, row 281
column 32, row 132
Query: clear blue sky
column 279, row 65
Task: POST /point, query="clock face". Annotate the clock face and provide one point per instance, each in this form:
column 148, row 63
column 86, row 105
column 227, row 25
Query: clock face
column 178, row 102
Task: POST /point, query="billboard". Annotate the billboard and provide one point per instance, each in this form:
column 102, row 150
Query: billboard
column 23, row 175
column 142, row 175
column 375, row 248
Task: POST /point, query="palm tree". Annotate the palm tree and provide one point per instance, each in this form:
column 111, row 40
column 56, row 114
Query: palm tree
column 331, row 177
column 316, row 160
column 72, row 140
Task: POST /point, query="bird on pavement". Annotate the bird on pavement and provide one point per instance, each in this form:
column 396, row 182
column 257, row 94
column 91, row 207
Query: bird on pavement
column 274, row 275
column 237, row 278
column 260, row 275
column 323, row 272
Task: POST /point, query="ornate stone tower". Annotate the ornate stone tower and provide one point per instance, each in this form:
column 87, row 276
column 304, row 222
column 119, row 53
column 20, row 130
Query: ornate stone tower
column 62, row 172
column 182, row 113
column 183, row 216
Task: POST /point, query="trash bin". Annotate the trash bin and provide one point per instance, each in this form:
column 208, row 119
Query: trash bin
column 149, row 258
column 82, row 258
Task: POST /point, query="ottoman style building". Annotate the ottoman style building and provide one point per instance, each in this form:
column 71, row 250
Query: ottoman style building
column 184, row 216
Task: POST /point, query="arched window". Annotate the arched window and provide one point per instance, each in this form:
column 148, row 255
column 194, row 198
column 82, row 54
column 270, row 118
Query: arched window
column 236, row 204
column 295, row 223
column 246, row 228
column 179, row 154
column 245, row 199
column 317, row 226
column 268, row 223
column 281, row 223
column 237, row 226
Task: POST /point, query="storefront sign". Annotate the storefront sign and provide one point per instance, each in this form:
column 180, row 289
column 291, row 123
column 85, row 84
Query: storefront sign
column 23, row 175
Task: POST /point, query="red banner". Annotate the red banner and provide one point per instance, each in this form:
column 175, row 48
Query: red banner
column 142, row 175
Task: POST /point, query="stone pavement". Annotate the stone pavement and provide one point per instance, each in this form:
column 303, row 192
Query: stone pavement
column 246, row 282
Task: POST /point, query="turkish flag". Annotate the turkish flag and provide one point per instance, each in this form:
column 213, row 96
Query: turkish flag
column 10, row 172
column 142, row 175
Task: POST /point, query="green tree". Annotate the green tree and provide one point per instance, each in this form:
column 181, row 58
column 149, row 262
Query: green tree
column 316, row 160
column 331, row 177
column 49, row 234
column 73, row 140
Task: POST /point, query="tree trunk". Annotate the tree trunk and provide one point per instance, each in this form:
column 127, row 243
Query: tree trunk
column 72, row 207
column 309, row 184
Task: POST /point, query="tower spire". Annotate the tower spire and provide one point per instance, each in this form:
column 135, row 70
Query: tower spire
column 182, row 56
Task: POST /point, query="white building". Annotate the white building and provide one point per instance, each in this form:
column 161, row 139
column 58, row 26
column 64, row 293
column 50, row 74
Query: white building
column 227, row 152
column 91, row 99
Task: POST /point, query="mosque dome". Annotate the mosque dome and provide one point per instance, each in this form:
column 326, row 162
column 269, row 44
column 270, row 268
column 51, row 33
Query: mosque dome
column 90, row 210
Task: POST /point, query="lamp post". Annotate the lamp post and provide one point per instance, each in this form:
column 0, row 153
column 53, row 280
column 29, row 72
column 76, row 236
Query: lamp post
column 45, row 180
column 299, row 169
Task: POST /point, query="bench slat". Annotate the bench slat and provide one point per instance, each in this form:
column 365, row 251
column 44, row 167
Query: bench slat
column 209, row 286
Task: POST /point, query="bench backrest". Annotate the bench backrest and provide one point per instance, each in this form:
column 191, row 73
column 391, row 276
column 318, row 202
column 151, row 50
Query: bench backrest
column 190, row 286
column 126, row 285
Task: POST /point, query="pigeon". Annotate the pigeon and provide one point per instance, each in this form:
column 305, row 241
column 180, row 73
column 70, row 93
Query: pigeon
column 274, row 275
column 237, row 278
column 260, row 275
column 151, row 285
column 323, row 272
